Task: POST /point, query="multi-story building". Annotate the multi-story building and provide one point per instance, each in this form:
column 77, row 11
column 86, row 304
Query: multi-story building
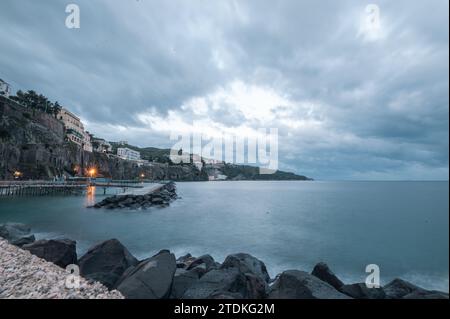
column 101, row 146
column 128, row 154
column 5, row 88
column 75, row 130
column 142, row 162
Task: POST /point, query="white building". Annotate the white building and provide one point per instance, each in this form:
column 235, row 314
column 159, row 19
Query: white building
column 5, row 88
column 128, row 154
column 75, row 130
column 142, row 162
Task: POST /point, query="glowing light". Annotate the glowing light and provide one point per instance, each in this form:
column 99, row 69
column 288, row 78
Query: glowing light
column 17, row 174
column 92, row 172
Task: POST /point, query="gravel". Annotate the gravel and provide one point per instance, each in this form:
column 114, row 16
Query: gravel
column 25, row 276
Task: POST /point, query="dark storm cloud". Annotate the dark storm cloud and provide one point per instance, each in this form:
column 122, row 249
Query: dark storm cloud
column 348, row 103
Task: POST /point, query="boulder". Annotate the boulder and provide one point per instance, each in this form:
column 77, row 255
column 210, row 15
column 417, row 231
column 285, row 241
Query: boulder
column 61, row 252
column 361, row 291
column 16, row 233
column 182, row 280
column 230, row 282
column 324, row 273
column 295, row 284
column 150, row 279
column 401, row 289
column 247, row 264
column 106, row 262
column 206, row 260
column 200, row 270
column 185, row 261
column 426, row 294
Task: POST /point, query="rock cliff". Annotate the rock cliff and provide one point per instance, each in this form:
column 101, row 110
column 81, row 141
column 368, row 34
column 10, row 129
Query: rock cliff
column 33, row 143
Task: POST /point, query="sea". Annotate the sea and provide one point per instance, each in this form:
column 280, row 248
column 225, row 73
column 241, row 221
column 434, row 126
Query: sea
column 401, row 227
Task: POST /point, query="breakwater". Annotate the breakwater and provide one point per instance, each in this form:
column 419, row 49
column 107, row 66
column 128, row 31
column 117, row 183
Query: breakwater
column 159, row 195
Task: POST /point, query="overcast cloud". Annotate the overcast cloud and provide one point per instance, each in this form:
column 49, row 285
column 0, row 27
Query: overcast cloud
column 350, row 102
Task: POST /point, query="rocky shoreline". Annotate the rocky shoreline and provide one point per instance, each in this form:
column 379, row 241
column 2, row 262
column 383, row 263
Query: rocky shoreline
column 163, row 276
column 160, row 198
column 26, row 276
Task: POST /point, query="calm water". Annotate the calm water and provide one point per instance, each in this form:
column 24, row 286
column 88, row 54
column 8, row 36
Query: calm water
column 401, row 226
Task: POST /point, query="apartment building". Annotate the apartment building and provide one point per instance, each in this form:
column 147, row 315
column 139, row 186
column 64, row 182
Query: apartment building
column 75, row 130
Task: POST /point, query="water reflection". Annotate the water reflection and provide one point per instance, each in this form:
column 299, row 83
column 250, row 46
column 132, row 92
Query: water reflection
column 90, row 196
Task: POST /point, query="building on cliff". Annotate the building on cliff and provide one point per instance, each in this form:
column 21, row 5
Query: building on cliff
column 75, row 129
column 128, row 154
column 100, row 145
column 5, row 88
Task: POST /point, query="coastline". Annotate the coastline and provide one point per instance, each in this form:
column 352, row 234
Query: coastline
column 109, row 265
column 25, row 276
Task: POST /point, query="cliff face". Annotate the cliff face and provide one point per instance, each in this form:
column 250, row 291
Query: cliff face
column 31, row 142
column 34, row 143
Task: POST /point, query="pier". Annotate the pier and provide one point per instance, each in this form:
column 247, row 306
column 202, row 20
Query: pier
column 48, row 188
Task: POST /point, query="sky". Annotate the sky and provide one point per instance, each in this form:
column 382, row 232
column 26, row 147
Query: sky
column 356, row 91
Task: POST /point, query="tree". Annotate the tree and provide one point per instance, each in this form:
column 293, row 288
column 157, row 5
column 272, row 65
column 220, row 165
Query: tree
column 35, row 101
column 56, row 109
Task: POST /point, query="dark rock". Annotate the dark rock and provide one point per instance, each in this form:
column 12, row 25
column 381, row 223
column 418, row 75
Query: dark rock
column 226, row 281
column 247, row 264
column 26, row 239
column 361, row 291
column 157, row 200
column 324, row 273
column 200, row 270
column 150, row 279
column 207, row 260
column 185, row 261
column 106, row 262
column 295, row 284
column 61, row 252
column 256, row 286
column 161, row 198
column 182, row 280
column 426, row 294
column 16, row 233
column 128, row 202
column 398, row 289
column 184, row 258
